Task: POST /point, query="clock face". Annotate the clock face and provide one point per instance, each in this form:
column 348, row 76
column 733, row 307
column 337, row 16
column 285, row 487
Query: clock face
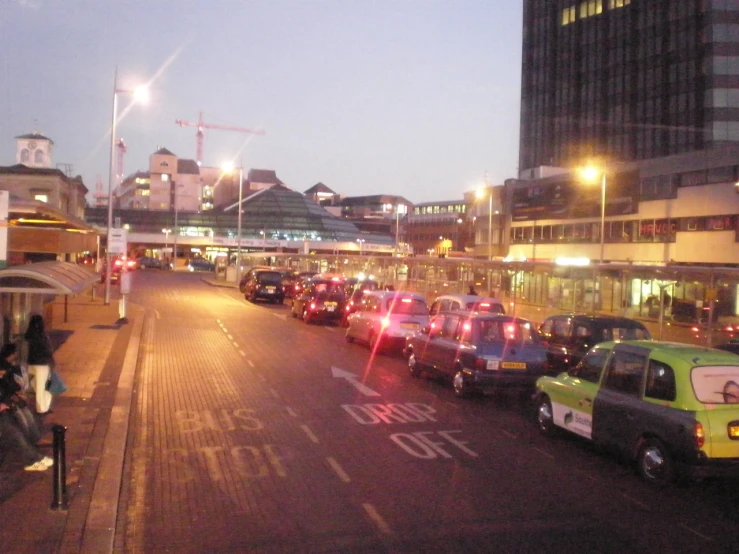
column 32, row 145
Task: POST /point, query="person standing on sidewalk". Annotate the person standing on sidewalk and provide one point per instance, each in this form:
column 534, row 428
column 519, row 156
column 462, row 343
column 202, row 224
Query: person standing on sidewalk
column 40, row 361
column 14, row 395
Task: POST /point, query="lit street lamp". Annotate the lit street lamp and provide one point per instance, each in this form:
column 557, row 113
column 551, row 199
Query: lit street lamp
column 141, row 94
column 176, row 228
column 166, row 239
column 591, row 174
column 481, row 194
column 228, row 168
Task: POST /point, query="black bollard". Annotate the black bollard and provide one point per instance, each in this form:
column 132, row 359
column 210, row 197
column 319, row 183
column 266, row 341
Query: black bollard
column 59, row 501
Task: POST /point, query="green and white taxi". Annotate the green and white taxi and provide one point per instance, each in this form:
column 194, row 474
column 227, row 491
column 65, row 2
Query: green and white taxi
column 672, row 408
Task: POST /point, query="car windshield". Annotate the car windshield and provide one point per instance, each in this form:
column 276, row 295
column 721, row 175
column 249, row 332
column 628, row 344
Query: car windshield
column 407, row 306
column 486, row 307
column 716, row 384
column 499, row 330
column 272, row 277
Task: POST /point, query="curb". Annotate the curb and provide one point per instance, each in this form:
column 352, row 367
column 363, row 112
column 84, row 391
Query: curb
column 100, row 525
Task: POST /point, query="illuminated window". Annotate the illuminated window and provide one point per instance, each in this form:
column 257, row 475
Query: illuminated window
column 583, row 10
column 145, row 192
column 165, row 177
column 41, row 197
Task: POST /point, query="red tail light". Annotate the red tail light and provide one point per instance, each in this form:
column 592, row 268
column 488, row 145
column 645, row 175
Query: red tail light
column 699, row 435
column 348, row 308
column 312, row 305
column 480, row 363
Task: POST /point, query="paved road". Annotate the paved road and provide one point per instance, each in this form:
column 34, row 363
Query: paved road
column 254, row 432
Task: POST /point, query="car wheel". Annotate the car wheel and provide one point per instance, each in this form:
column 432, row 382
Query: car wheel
column 348, row 338
column 654, row 463
column 306, row 316
column 413, row 366
column 545, row 417
column 294, row 314
column 461, row 388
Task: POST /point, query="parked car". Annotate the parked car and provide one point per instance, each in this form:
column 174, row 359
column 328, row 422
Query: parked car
column 248, row 274
column 568, row 337
column 320, row 300
column 264, row 284
column 732, row 347
column 146, row 262
column 479, row 352
column 200, row 264
column 466, row 302
column 672, row 408
column 298, row 284
column 118, row 264
column 386, row 318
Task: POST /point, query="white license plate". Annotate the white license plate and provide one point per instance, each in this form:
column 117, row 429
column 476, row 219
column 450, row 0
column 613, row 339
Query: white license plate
column 493, row 364
column 330, row 308
column 270, row 290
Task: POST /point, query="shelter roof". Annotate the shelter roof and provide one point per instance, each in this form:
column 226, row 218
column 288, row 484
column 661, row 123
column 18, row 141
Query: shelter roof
column 53, row 277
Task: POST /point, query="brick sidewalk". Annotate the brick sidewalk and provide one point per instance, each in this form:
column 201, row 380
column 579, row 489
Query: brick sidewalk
column 90, row 352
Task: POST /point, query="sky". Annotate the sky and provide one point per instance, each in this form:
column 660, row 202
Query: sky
column 418, row 98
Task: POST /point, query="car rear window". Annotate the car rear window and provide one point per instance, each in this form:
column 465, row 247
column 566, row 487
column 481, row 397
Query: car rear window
column 716, row 384
column 407, row 306
column 330, row 287
column 501, row 330
column 486, row 307
column 270, row 277
column 623, row 333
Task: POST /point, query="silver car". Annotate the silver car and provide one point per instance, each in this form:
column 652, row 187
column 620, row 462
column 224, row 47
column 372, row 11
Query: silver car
column 386, row 318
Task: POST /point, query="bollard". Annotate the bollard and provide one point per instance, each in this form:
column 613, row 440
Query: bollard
column 59, row 501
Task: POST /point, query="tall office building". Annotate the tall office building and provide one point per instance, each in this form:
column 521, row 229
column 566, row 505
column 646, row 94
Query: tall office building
column 626, row 80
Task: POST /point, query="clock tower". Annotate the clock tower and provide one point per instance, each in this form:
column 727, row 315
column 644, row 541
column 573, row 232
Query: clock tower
column 33, row 150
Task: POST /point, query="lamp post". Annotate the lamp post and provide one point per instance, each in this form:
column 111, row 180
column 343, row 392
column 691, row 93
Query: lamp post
column 139, row 93
column 481, row 194
column 176, row 228
column 591, row 174
column 166, row 239
column 228, row 168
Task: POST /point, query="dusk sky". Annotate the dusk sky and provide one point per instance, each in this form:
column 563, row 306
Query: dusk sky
column 411, row 97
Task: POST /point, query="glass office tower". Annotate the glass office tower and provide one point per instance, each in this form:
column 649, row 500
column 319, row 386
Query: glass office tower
column 625, row 80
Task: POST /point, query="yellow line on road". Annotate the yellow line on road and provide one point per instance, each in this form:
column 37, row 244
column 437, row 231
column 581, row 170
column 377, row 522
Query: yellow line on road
column 310, row 434
column 377, row 518
column 338, row 469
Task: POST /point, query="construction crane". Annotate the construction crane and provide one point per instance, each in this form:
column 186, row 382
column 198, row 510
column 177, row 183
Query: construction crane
column 122, row 149
column 200, row 124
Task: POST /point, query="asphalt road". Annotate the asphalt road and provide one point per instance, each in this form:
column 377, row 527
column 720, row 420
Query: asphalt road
column 254, row 432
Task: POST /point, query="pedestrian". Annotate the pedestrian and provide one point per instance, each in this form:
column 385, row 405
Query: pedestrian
column 40, row 361
column 11, row 390
column 11, row 432
column 472, row 292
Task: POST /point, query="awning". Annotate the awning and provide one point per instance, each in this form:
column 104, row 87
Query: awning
column 52, row 277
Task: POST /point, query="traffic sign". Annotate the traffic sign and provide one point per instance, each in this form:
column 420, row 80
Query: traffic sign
column 117, row 241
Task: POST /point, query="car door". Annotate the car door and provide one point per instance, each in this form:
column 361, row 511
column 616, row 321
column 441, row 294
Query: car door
column 429, row 354
column 445, row 348
column 617, row 406
column 572, row 403
column 556, row 334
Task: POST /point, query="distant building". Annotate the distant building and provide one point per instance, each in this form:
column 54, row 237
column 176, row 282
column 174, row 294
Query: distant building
column 321, row 194
column 439, row 228
column 627, row 80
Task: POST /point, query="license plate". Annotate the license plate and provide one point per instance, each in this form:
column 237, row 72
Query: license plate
column 409, row 326
column 492, row 364
column 270, row 290
column 330, row 308
column 513, row 365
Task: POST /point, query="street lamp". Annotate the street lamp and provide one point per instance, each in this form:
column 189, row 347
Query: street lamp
column 228, row 168
column 590, row 174
column 360, row 241
column 141, row 94
column 481, row 194
column 176, row 228
column 166, row 239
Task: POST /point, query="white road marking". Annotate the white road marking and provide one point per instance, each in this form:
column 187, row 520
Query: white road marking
column 351, row 378
column 236, row 344
column 274, row 393
column 250, row 363
column 507, row 434
column 242, row 353
column 635, row 501
column 330, row 329
column 291, row 412
column 224, row 329
column 701, row 535
column 377, row 518
column 230, row 337
column 338, row 469
column 310, row 434
column 283, row 317
column 547, row 454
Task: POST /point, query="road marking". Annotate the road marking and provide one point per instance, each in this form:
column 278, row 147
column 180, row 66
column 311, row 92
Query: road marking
column 338, row 469
column 635, row 501
column 351, row 378
column 510, row 435
column 262, row 378
column 224, row 329
column 547, row 454
column 377, row 518
column 157, row 313
column 310, row 434
column 283, row 317
column 452, row 404
column 236, row 344
column 242, row 353
column 291, row 411
column 329, row 329
column 274, row 393
column 250, row 363
column 230, row 337
column 701, row 535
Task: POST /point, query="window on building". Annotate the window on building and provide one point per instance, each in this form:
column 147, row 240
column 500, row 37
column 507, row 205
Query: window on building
column 38, row 157
column 41, row 197
column 25, row 155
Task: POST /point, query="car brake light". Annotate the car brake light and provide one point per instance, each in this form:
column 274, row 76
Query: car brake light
column 385, row 321
column 407, row 300
column 480, row 363
column 312, row 305
column 484, row 304
column 348, row 308
column 510, row 332
column 118, row 262
column 467, row 326
column 699, row 436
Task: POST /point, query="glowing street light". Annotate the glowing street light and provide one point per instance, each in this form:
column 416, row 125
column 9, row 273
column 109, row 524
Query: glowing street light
column 140, row 94
column 593, row 174
column 166, row 239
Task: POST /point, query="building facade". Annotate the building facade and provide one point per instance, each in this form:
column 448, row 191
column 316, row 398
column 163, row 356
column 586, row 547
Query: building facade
column 626, row 80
